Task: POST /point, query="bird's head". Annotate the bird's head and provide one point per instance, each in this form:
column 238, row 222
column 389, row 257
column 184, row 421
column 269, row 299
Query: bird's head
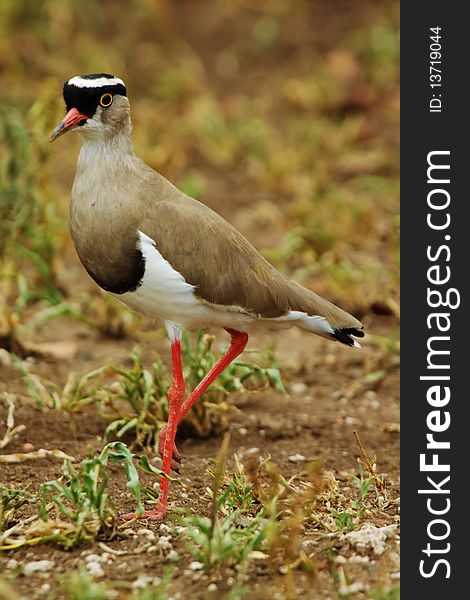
column 96, row 104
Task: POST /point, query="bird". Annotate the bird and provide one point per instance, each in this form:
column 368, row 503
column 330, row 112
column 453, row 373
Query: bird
column 168, row 256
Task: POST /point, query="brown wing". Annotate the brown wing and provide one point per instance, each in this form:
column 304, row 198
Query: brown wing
column 213, row 256
column 224, row 267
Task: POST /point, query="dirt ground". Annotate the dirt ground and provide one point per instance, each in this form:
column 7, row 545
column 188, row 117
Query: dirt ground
column 316, row 421
column 330, row 394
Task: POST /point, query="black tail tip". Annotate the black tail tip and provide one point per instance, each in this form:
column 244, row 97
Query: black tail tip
column 343, row 335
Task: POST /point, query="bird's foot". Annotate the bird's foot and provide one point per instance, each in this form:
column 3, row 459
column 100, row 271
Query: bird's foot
column 176, row 457
column 155, row 514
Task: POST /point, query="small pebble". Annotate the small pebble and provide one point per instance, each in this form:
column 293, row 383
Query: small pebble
column 330, row 359
column 243, row 431
column 212, row 587
column 172, row 555
column 357, row 558
column 299, row 387
column 12, row 564
column 107, row 557
column 149, row 534
column 28, row 447
column 95, row 569
column 295, row 458
column 164, row 541
column 353, row 588
column 38, row 565
column 129, row 532
column 256, row 554
column 370, row 536
column 195, row 565
column 93, row 558
column 181, row 529
column 144, row 581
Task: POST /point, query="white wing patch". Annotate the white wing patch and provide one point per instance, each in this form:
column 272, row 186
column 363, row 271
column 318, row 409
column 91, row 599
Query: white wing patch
column 163, row 292
column 166, row 296
column 314, row 323
column 159, row 274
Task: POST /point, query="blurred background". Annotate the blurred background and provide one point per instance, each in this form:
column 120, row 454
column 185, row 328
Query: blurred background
column 282, row 115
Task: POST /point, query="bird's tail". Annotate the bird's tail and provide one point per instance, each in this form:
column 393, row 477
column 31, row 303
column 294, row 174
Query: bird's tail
column 323, row 317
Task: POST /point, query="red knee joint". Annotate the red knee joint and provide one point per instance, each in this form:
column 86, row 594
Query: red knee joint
column 239, row 338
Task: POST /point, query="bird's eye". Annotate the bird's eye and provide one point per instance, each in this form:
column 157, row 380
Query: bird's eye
column 106, row 100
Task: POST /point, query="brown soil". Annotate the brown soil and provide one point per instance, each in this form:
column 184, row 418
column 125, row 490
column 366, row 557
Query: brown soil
column 316, row 421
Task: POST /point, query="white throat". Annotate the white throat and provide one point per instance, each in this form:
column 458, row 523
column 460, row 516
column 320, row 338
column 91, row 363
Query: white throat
column 97, row 148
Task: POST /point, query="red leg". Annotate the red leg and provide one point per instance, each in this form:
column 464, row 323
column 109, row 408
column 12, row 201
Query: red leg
column 175, row 401
column 176, row 388
column 237, row 345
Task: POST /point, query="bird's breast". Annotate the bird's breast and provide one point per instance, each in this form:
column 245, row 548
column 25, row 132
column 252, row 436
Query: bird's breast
column 105, row 238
